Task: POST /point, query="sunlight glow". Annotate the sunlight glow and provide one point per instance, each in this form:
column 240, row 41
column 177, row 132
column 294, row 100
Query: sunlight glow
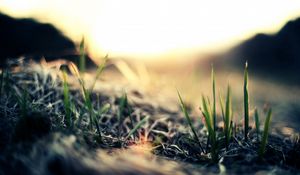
column 150, row 27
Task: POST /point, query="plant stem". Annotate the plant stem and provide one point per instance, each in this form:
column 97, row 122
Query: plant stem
column 246, row 102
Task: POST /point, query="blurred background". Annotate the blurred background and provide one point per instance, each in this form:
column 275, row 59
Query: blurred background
column 161, row 45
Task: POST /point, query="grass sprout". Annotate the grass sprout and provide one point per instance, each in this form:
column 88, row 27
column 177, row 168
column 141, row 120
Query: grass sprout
column 265, row 134
column 188, row 119
column 122, row 106
column 214, row 97
column 86, row 92
column 227, row 116
column 67, row 101
column 229, row 128
column 246, row 102
column 257, row 124
column 82, row 59
column 207, row 113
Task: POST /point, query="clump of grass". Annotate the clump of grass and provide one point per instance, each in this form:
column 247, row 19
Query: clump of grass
column 210, row 116
column 186, row 114
column 265, row 134
column 246, row 102
column 86, row 92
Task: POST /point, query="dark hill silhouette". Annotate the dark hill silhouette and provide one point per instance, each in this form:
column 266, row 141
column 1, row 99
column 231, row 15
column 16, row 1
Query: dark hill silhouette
column 275, row 56
column 29, row 38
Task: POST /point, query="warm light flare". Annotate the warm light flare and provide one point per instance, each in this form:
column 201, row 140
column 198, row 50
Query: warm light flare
column 142, row 28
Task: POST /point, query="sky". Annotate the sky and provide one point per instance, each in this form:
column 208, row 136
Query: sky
column 149, row 28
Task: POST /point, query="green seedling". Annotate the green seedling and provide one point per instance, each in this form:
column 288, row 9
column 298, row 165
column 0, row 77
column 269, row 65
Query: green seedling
column 227, row 117
column 265, row 134
column 257, row 124
column 188, row 119
column 207, row 113
column 246, row 102
column 82, row 59
column 67, row 101
column 214, row 97
column 122, row 106
column 86, row 92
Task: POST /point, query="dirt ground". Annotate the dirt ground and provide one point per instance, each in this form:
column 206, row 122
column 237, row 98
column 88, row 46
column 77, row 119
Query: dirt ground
column 40, row 142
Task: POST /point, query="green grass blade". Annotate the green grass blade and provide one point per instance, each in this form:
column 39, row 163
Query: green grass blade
column 122, row 106
column 265, row 134
column 89, row 106
column 98, row 72
column 257, row 124
column 67, row 103
column 246, row 102
column 97, row 128
column 207, row 115
column 228, row 111
column 211, row 132
column 82, row 56
column 187, row 117
column 136, row 127
column 228, row 107
column 104, row 109
column 214, row 115
column 24, row 102
column 206, row 109
column 222, row 107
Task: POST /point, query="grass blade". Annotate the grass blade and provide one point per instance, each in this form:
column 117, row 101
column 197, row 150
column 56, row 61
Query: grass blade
column 214, row 97
column 265, row 134
column 184, row 110
column 257, row 124
column 136, row 127
column 104, row 109
column 122, row 106
column 222, row 106
column 67, row 103
column 207, row 115
column 98, row 72
column 82, row 56
column 246, row 102
column 228, row 114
